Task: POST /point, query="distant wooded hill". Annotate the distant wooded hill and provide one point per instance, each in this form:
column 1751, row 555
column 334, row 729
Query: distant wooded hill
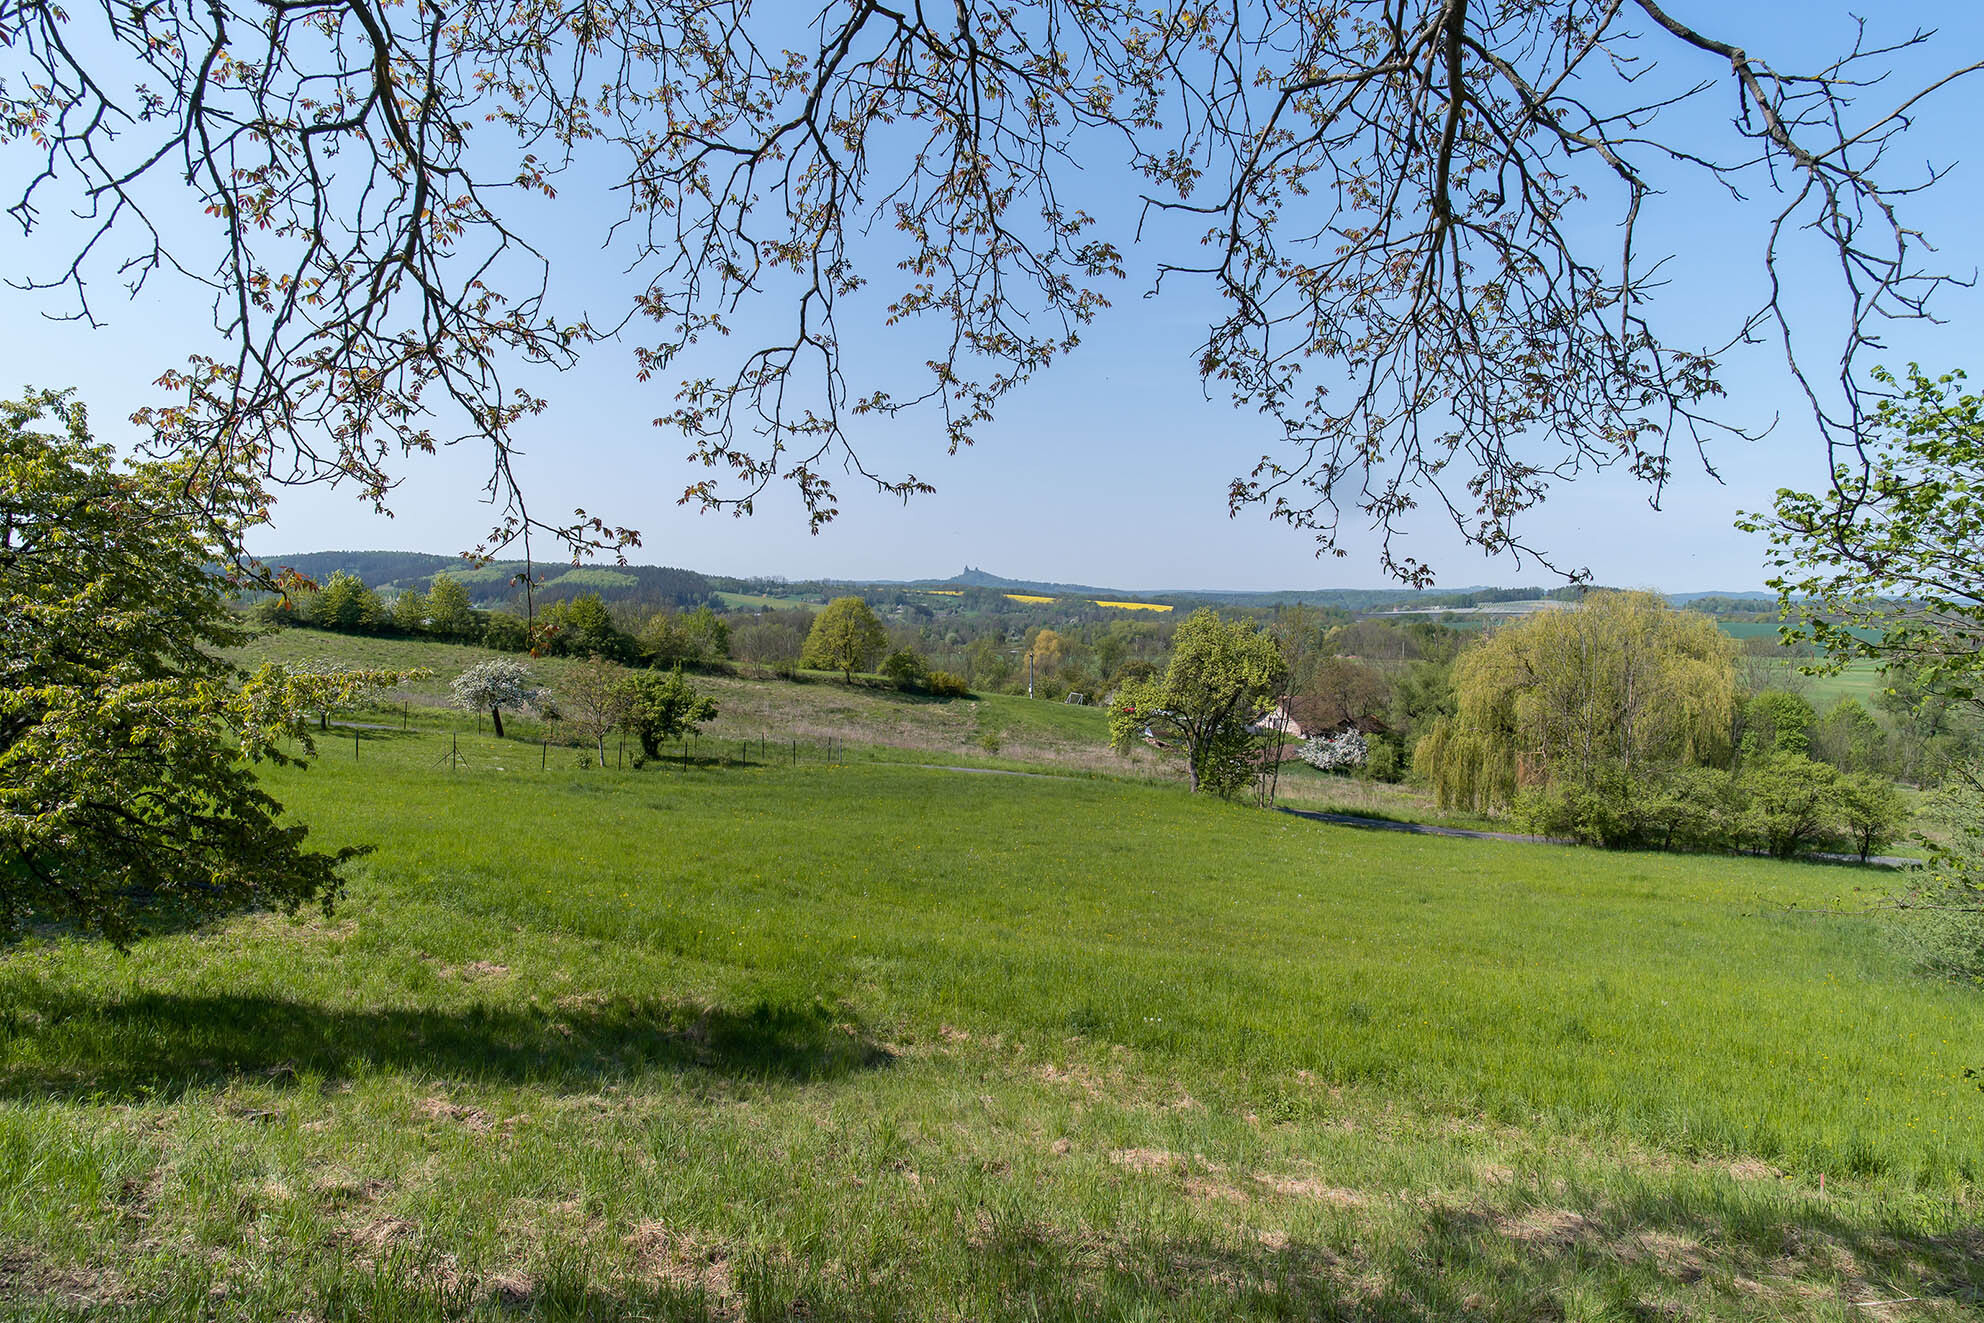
column 500, row 582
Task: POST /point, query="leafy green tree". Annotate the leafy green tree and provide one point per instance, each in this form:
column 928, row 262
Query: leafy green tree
column 664, row 706
column 126, row 748
column 1776, row 722
column 846, row 637
column 341, row 687
column 582, row 626
column 449, row 614
column 410, row 611
column 345, row 603
column 505, row 631
column 490, row 686
column 689, row 638
column 1222, row 676
column 1887, row 562
column 906, row 669
column 1791, row 803
column 1851, row 738
column 1872, row 811
column 1622, row 680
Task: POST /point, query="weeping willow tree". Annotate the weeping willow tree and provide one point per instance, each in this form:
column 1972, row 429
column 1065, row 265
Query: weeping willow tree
column 1622, row 681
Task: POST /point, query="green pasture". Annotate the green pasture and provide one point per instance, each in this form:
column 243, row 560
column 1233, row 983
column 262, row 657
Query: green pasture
column 879, row 1042
column 760, row 601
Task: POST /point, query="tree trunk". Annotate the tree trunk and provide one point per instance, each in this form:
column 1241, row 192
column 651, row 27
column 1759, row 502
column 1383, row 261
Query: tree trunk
column 496, row 716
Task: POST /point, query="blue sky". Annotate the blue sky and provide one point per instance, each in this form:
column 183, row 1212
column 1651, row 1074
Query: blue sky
column 1112, row 468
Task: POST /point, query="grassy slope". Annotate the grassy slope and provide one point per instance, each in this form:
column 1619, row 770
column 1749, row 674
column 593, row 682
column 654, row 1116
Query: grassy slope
column 898, row 1043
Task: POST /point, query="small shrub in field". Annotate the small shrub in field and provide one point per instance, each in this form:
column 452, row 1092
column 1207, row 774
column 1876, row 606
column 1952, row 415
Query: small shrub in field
column 948, row 684
column 662, row 707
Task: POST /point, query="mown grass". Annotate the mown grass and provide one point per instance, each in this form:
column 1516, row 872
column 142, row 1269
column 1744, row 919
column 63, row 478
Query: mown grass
column 879, row 1042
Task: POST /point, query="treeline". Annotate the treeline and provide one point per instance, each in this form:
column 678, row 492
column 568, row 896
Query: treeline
column 507, row 583
column 1624, row 723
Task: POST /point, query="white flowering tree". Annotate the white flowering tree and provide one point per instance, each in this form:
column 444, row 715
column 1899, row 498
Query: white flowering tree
column 1341, row 752
column 496, row 684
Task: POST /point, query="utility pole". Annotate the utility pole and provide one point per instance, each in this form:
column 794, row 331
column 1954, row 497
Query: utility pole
column 1029, row 673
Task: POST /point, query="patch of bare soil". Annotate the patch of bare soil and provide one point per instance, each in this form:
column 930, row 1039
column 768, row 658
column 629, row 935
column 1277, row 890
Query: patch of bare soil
column 26, row 1276
column 1549, row 1228
column 1302, row 1187
column 375, row 1238
column 1144, row 1160
column 440, row 1109
column 684, row 1260
column 1753, row 1169
column 511, row 1289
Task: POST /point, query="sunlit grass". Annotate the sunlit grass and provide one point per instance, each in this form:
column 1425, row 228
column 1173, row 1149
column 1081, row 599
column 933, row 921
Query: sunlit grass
column 873, row 1041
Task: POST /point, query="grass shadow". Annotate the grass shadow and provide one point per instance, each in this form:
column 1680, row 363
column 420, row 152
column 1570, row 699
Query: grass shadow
column 156, row 1044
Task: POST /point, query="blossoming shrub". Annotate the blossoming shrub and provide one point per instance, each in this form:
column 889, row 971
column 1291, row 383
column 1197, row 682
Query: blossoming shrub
column 1342, row 752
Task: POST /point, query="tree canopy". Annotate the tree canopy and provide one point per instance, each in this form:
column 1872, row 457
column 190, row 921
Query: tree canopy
column 1427, row 227
column 1619, row 682
column 492, row 685
column 1223, row 674
column 846, row 637
column 127, row 795
column 1888, row 562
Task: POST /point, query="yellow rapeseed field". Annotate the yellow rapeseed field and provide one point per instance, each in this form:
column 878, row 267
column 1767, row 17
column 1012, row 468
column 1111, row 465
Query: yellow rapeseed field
column 1138, row 606
column 1028, row 597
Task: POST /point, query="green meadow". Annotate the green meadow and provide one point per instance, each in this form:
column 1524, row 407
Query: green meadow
column 878, row 1041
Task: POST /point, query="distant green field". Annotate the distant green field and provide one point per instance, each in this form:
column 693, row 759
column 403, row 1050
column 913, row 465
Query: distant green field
column 875, row 1042
column 1749, row 629
column 591, row 577
column 758, row 601
column 1862, row 680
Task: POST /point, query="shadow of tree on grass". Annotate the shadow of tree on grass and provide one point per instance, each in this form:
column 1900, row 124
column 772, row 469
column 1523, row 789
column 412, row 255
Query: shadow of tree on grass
column 157, row 1045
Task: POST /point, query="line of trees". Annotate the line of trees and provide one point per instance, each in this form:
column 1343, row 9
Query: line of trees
column 1619, row 722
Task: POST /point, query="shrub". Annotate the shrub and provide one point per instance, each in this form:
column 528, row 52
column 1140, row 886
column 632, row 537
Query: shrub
column 1688, row 808
column 1341, row 752
column 1944, row 926
column 948, row 684
column 905, row 669
column 664, row 707
column 1614, row 810
column 506, row 632
column 1791, row 804
column 1872, row 812
column 1385, row 762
